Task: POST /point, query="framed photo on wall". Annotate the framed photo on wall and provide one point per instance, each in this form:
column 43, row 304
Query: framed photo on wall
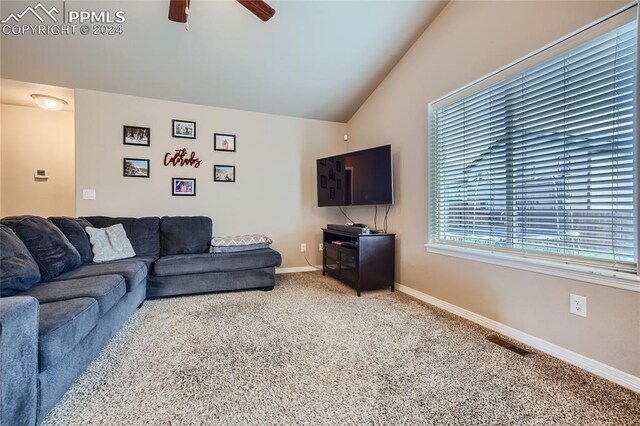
column 184, row 129
column 223, row 173
column 136, row 167
column 134, row 135
column 183, row 187
column 223, row 142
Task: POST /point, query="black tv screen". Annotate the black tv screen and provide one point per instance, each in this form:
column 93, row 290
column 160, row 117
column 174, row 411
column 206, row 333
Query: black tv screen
column 356, row 178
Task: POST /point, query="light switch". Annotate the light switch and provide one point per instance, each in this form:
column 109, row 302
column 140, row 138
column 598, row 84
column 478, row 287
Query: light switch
column 88, row 194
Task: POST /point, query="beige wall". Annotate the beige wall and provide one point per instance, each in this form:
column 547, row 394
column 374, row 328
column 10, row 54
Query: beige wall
column 33, row 138
column 275, row 188
column 467, row 41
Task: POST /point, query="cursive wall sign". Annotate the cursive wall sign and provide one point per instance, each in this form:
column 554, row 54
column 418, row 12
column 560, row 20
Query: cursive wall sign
column 180, row 159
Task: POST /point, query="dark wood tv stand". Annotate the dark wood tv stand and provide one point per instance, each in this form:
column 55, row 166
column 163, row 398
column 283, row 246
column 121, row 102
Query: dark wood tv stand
column 362, row 261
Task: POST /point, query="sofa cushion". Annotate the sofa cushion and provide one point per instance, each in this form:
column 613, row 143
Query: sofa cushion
column 110, row 243
column 62, row 326
column 215, row 262
column 74, row 229
column 51, row 250
column 19, row 270
column 147, row 260
column 144, row 232
column 185, row 235
column 133, row 271
column 106, row 289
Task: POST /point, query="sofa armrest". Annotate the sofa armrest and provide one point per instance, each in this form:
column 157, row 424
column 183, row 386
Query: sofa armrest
column 18, row 360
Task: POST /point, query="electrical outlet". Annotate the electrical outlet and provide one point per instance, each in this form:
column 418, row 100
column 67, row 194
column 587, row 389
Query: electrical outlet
column 303, row 247
column 578, row 305
column 320, row 247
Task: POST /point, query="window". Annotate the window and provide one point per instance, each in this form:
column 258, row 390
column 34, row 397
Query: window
column 540, row 159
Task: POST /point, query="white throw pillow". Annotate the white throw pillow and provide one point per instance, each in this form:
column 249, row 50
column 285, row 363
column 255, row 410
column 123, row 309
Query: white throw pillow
column 109, row 243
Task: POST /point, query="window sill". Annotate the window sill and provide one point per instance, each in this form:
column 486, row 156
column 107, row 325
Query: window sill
column 622, row 280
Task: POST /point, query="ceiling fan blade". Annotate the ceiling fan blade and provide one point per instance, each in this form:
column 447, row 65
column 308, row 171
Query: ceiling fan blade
column 258, row 8
column 177, row 10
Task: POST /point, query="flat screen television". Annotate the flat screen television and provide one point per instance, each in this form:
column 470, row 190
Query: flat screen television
column 358, row 178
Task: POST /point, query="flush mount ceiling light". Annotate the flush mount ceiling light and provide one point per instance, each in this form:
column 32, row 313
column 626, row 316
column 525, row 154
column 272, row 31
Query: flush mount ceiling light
column 49, row 102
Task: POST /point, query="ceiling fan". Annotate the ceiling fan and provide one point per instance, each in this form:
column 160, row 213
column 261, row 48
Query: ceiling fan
column 179, row 10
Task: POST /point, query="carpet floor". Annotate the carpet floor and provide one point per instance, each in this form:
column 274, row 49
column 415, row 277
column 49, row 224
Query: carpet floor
column 311, row 352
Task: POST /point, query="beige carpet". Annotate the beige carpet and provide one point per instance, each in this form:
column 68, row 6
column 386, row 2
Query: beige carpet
column 310, row 352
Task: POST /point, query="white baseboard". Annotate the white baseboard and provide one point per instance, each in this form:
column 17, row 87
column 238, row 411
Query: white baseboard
column 297, row 269
column 596, row 367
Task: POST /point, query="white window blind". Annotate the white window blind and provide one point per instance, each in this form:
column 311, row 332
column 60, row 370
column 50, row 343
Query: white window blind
column 541, row 161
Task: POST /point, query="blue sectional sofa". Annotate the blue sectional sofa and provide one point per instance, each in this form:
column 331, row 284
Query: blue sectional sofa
column 59, row 309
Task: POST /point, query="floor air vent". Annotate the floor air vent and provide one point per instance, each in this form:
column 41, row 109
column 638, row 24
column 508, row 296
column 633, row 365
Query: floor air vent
column 508, row 345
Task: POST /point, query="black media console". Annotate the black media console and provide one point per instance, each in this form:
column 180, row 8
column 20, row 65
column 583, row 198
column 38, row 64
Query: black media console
column 362, row 261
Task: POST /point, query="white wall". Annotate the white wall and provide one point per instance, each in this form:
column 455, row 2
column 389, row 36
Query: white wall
column 275, row 188
column 467, row 41
column 33, row 138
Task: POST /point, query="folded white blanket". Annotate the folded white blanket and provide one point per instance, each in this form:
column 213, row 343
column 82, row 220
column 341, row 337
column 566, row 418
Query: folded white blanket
column 253, row 240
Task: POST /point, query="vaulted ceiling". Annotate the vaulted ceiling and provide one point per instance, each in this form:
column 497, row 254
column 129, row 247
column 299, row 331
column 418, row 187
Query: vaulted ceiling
column 313, row 59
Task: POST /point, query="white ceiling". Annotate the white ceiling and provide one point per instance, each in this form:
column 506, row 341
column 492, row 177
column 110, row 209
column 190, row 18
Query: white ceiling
column 314, row 59
column 19, row 93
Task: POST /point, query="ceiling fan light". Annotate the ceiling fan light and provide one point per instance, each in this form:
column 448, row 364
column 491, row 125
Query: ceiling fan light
column 49, row 103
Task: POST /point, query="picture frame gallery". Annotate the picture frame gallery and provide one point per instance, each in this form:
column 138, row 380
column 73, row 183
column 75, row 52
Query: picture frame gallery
column 140, row 167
